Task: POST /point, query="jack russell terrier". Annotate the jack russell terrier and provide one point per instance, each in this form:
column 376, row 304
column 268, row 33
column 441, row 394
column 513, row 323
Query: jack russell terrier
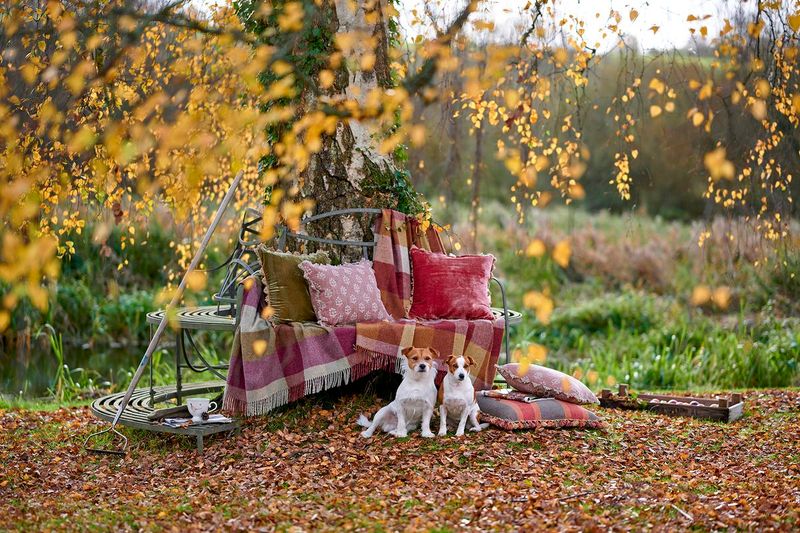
column 415, row 399
column 457, row 397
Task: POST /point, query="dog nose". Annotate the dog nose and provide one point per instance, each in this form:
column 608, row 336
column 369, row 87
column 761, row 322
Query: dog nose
column 461, row 377
column 423, row 367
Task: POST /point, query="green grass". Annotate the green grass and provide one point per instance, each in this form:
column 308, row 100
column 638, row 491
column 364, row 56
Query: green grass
column 649, row 342
column 651, row 337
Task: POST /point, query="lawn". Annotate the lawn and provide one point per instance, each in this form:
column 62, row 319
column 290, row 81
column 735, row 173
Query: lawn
column 307, row 468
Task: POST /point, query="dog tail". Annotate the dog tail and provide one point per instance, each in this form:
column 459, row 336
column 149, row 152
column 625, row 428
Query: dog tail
column 363, row 421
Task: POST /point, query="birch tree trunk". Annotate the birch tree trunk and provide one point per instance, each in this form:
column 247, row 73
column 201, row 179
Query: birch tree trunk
column 335, row 176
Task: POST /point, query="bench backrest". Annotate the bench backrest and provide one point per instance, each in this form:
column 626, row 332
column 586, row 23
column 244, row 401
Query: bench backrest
column 243, row 261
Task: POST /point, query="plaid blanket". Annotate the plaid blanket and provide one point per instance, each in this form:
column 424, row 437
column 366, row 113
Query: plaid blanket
column 509, row 394
column 274, row 364
column 395, row 234
column 480, row 339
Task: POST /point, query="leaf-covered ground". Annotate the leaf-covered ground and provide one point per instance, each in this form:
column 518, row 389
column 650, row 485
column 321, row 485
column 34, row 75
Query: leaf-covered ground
column 308, row 468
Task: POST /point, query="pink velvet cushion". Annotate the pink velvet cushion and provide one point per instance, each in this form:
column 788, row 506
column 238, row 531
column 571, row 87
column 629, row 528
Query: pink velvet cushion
column 344, row 294
column 446, row 286
column 547, row 383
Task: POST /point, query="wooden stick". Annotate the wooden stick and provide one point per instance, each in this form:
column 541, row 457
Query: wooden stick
column 578, row 495
column 176, row 298
column 681, row 511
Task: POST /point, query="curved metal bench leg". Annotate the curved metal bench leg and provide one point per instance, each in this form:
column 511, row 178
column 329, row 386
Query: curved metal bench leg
column 505, row 317
column 178, row 376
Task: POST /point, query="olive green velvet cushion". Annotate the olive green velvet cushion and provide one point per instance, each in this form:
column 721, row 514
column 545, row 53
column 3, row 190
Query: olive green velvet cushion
column 285, row 287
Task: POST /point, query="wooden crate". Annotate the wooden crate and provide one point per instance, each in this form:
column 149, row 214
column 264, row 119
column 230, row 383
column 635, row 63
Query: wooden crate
column 721, row 409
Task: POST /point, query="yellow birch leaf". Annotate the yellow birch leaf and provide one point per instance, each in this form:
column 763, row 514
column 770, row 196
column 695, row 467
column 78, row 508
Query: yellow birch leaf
column 536, row 248
column 759, row 110
column 721, row 297
column 326, row 78
column 794, row 21
column 259, row 346
column 700, row 295
column 562, row 253
column 537, row 353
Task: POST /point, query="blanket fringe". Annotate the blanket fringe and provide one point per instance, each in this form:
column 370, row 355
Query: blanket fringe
column 370, row 362
column 374, row 361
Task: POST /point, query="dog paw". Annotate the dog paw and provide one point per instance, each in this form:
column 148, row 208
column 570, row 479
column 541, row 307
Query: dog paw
column 366, row 434
column 398, row 434
column 442, row 433
column 476, row 429
column 428, row 434
column 459, row 433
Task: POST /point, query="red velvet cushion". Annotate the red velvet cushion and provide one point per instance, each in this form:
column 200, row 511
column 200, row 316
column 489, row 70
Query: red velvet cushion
column 450, row 287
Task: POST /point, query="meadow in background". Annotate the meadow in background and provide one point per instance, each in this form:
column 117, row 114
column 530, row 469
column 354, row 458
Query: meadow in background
column 609, row 298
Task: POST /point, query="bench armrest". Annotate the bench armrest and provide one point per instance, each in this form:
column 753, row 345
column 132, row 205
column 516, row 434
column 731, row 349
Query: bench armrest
column 505, row 316
column 239, row 299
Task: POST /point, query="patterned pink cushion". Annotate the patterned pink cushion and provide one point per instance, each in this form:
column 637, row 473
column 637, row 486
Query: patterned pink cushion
column 344, row 294
column 546, row 382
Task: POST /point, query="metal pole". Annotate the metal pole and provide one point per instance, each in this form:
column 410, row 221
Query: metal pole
column 176, row 298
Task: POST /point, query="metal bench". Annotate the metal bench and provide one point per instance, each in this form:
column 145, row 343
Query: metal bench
column 242, row 263
column 222, row 316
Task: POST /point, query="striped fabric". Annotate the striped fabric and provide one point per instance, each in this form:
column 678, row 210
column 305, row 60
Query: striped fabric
column 541, row 413
column 479, row 339
column 395, row 233
column 274, row 364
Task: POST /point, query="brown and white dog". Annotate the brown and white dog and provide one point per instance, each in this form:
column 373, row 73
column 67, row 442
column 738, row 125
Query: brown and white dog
column 415, row 399
column 457, row 397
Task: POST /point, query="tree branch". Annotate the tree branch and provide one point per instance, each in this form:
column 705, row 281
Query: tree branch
column 425, row 74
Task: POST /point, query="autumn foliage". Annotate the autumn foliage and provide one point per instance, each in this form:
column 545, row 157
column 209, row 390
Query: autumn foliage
column 112, row 111
column 308, row 468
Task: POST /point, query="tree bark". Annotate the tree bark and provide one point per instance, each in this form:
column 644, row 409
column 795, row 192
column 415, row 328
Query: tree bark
column 335, row 175
column 476, row 187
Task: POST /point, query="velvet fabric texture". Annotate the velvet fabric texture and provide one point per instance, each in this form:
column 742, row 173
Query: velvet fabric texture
column 545, row 382
column 285, row 287
column 541, row 413
column 344, row 294
column 446, row 286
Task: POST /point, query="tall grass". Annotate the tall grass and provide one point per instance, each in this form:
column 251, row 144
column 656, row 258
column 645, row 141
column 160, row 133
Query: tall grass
column 623, row 305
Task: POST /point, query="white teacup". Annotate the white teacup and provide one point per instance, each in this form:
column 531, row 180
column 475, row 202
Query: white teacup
column 198, row 406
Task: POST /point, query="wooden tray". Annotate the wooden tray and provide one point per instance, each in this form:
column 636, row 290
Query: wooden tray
column 721, row 409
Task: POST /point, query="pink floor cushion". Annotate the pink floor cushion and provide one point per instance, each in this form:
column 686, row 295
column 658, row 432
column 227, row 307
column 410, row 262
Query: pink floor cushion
column 344, row 294
column 541, row 413
column 446, row 286
column 546, row 382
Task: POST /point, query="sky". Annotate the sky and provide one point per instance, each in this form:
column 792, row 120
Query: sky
column 669, row 15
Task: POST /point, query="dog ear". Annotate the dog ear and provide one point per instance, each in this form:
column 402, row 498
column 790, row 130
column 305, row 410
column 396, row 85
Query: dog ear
column 406, row 351
column 470, row 361
column 435, row 353
column 450, row 359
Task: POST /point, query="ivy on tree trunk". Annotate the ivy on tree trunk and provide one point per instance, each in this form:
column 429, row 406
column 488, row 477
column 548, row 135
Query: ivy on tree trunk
column 348, row 170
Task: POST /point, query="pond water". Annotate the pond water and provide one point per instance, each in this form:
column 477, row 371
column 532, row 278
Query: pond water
column 98, row 368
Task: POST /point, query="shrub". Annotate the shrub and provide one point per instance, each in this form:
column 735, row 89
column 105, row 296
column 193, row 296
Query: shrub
column 634, row 312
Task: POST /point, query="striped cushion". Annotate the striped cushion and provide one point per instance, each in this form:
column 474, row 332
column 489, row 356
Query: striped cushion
column 541, row 413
